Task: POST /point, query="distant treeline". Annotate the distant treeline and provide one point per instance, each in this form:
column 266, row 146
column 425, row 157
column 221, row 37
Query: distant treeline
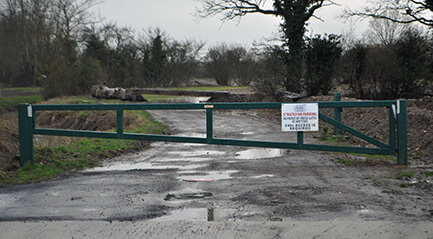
column 60, row 46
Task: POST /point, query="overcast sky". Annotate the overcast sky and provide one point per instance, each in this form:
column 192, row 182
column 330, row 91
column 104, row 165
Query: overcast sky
column 175, row 18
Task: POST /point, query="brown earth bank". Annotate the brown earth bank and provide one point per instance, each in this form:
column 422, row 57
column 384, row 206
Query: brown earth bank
column 374, row 122
column 78, row 120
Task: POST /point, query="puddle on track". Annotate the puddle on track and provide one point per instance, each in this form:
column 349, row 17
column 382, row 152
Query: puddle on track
column 214, row 175
column 187, row 99
column 260, row 153
column 195, row 214
column 141, row 166
column 197, row 153
column 188, row 214
column 193, row 134
column 263, row 176
column 189, row 160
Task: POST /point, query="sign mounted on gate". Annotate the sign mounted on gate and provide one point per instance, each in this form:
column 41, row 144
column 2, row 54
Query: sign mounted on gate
column 300, row 117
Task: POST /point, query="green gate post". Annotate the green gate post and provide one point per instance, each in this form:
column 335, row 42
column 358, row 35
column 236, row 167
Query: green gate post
column 300, row 139
column 402, row 132
column 25, row 123
column 119, row 123
column 337, row 113
column 209, row 123
column 392, row 134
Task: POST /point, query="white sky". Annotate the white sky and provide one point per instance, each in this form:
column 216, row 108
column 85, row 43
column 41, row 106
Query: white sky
column 175, row 18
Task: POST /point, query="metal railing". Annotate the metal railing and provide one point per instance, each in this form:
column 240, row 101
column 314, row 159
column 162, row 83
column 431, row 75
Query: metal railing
column 397, row 127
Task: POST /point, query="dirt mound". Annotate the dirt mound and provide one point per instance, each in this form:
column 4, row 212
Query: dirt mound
column 374, row 122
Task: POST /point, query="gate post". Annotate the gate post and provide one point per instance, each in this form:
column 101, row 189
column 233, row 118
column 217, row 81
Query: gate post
column 401, row 132
column 209, row 123
column 337, row 113
column 25, row 123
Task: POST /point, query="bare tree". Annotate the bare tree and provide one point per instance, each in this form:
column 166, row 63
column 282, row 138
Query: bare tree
column 294, row 15
column 409, row 11
column 24, row 39
column 219, row 63
column 385, row 32
column 71, row 16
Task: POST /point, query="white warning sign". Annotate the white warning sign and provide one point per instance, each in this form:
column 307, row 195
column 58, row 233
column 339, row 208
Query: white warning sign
column 300, row 117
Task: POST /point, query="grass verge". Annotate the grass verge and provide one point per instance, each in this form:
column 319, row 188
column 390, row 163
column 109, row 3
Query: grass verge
column 212, row 88
column 10, row 104
column 54, row 160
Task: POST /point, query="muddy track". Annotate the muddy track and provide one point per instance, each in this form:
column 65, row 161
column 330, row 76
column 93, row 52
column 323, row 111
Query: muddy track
column 235, row 184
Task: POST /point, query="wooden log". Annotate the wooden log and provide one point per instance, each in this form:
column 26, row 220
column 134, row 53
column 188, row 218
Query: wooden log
column 102, row 91
column 179, row 92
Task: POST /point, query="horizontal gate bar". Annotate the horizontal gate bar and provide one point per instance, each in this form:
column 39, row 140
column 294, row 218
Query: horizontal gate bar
column 235, row 142
column 191, row 106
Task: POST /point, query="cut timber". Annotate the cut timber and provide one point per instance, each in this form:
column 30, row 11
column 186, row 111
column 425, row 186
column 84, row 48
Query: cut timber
column 102, row 91
column 179, row 92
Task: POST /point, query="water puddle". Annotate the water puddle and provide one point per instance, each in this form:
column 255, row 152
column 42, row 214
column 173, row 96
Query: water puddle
column 363, row 211
column 187, row 99
column 141, row 166
column 213, row 175
column 263, row 176
column 189, row 214
column 192, row 160
column 193, row 134
column 198, row 153
column 260, row 153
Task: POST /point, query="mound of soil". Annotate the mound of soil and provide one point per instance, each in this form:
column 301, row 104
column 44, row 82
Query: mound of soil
column 374, row 122
column 97, row 121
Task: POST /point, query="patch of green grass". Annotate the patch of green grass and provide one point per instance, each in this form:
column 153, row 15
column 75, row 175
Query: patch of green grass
column 402, row 175
column 427, row 173
column 417, row 155
column 21, row 88
column 11, row 103
column 346, row 161
column 333, row 139
column 148, row 125
column 53, row 161
column 403, row 185
column 157, row 98
column 212, row 88
column 84, row 100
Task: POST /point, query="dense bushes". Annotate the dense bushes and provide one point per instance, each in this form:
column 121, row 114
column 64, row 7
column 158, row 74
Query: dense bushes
column 398, row 70
column 321, row 55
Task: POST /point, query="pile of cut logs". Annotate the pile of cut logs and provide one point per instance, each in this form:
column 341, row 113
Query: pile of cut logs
column 102, row 91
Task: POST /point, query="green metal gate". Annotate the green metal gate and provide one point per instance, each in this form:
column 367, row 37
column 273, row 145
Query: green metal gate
column 397, row 127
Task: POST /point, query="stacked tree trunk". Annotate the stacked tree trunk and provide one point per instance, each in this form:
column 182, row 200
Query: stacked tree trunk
column 104, row 92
